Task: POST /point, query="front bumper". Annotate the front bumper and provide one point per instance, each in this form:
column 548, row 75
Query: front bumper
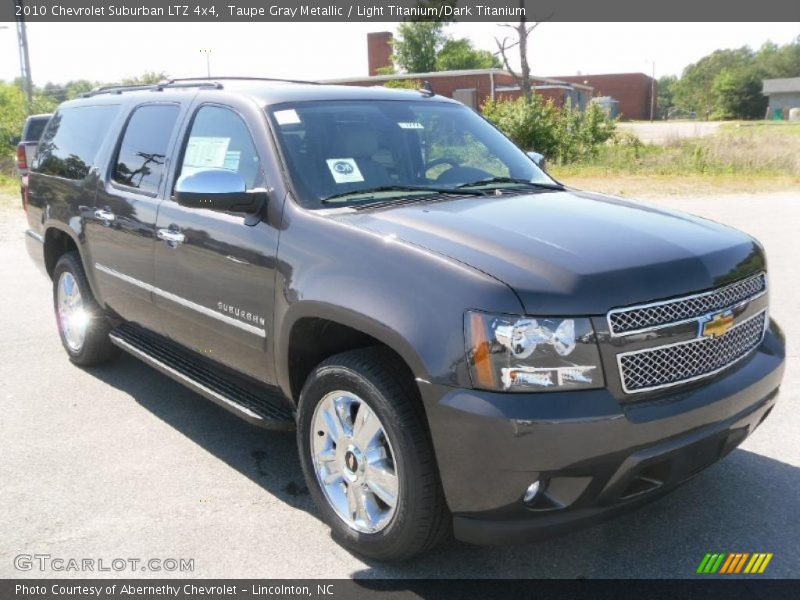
column 595, row 456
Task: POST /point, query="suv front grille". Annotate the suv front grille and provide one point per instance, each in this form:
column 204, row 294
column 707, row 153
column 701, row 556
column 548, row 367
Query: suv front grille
column 673, row 364
column 636, row 318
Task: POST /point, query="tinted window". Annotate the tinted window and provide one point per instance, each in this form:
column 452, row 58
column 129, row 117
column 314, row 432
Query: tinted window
column 71, row 140
column 143, row 153
column 34, row 128
column 219, row 139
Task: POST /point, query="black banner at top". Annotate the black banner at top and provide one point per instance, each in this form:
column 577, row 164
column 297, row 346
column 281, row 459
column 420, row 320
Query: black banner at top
column 397, row 10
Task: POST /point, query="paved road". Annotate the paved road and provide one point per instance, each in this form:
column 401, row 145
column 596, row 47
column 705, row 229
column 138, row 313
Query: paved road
column 663, row 132
column 120, row 461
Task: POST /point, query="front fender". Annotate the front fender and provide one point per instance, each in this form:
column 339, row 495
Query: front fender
column 407, row 297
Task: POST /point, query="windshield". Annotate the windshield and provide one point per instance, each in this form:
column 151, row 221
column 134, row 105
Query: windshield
column 341, row 152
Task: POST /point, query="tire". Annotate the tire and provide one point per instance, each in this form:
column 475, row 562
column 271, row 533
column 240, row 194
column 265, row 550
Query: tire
column 419, row 518
column 92, row 347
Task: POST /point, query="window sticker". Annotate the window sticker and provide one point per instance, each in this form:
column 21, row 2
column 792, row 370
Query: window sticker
column 410, row 125
column 287, row 117
column 232, row 158
column 205, row 153
column 344, row 170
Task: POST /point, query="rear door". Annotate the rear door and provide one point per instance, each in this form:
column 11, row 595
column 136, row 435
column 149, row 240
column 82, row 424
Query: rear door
column 63, row 180
column 215, row 271
column 121, row 227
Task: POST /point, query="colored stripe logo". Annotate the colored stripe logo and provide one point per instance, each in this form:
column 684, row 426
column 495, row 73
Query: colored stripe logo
column 734, row 562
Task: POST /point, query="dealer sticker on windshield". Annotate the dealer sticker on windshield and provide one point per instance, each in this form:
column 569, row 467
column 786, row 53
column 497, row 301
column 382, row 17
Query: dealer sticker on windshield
column 287, row 117
column 410, row 125
column 344, row 170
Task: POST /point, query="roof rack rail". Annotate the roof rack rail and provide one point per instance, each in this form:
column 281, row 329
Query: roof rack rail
column 181, row 82
column 156, row 87
column 235, row 78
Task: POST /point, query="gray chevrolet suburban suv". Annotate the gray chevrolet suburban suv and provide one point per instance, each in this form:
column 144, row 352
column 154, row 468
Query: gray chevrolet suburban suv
column 463, row 344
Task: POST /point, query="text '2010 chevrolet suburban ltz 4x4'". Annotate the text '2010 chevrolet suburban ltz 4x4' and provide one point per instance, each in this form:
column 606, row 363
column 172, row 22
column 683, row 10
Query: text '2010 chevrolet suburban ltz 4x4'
column 462, row 343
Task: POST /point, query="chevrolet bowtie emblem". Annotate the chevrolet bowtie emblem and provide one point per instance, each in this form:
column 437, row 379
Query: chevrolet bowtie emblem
column 716, row 325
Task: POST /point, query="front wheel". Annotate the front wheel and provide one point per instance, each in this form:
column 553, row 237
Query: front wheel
column 367, row 456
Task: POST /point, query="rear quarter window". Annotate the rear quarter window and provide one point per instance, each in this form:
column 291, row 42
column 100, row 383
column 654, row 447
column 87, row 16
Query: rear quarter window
column 34, row 129
column 73, row 136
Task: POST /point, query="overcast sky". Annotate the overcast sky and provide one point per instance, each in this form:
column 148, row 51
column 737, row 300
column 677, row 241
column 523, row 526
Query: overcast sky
column 109, row 51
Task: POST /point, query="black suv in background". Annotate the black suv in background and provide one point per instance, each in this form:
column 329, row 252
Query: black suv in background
column 461, row 342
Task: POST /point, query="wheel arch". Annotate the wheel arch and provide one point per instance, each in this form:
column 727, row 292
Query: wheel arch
column 57, row 242
column 316, row 331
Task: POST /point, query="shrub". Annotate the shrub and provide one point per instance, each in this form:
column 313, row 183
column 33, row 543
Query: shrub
column 563, row 135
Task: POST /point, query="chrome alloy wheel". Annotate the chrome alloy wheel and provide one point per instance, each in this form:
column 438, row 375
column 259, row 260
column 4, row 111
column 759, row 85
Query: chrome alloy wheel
column 354, row 462
column 73, row 319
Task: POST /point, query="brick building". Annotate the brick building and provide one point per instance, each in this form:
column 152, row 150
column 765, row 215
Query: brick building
column 634, row 91
column 472, row 87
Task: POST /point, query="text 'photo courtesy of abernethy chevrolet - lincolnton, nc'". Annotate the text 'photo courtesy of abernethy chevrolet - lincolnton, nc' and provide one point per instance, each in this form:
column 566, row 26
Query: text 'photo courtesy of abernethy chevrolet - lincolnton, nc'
column 464, row 345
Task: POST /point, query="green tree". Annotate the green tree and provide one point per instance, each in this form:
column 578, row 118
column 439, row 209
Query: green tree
column 779, row 61
column 417, row 46
column 459, row 54
column 12, row 114
column 737, row 94
column 666, row 95
column 146, row 78
column 695, row 90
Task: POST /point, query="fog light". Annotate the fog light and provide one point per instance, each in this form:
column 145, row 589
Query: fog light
column 531, row 492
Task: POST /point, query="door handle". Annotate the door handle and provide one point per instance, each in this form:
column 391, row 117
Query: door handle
column 104, row 215
column 171, row 236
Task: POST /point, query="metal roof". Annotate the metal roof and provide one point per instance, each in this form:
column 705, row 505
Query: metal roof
column 781, row 86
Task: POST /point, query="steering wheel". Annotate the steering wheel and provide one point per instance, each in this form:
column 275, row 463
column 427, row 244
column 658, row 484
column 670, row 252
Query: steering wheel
column 442, row 160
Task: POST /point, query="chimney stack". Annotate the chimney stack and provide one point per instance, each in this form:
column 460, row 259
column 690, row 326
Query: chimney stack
column 379, row 51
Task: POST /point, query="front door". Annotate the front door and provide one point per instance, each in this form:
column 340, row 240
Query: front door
column 215, row 273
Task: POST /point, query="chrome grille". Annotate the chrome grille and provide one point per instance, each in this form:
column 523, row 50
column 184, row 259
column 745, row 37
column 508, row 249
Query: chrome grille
column 656, row 314
column 685, row 361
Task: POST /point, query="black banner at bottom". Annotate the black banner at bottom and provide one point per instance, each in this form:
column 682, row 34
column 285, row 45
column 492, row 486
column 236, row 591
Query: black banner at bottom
column 321, row 589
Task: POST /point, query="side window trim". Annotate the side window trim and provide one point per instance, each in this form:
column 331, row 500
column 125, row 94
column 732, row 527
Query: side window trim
column 187, row 134
column 109, row 175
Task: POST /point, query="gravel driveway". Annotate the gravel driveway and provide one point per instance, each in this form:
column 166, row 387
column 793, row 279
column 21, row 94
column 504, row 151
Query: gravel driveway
column 120, row 461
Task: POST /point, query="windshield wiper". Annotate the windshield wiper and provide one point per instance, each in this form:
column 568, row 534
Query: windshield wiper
column 514, row 180
column 401, row 188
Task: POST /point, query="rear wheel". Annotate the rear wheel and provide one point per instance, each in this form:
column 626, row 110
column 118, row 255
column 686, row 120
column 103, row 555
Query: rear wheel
column 367, row 456
column 81, row 323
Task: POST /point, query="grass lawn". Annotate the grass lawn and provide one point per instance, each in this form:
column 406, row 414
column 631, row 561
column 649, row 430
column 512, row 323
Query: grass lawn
column 741, row 157
column 661, row 186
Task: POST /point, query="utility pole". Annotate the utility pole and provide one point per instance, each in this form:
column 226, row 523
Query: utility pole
column 652, row 91
column 653, row 94
column 24, row 60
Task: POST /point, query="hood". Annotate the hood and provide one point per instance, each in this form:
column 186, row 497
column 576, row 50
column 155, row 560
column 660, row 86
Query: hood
column 574, row 253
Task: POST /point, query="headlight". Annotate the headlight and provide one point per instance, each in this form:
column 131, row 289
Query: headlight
column 519, row 354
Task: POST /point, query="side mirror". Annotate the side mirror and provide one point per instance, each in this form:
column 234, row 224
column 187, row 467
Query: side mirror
column 14, row 140
column 218, row 189
column 538, row 159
